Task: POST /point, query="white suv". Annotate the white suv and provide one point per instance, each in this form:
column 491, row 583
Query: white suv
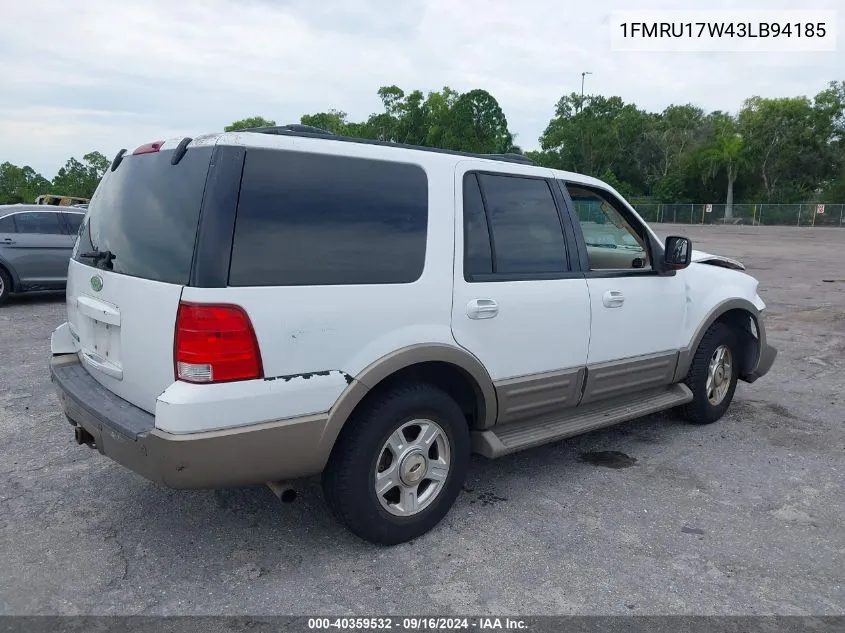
column 266, row 305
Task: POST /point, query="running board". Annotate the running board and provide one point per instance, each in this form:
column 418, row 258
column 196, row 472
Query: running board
column 514, row 437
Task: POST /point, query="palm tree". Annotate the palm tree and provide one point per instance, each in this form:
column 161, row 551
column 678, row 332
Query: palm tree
column 727, row 152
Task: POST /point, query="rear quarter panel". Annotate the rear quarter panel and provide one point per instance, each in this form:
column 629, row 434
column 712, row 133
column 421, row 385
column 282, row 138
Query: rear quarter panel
column 345, row 328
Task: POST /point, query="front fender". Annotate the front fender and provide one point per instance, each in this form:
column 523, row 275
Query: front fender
column 712, row 293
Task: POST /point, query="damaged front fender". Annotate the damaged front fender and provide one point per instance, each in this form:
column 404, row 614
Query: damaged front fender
column 700, row 257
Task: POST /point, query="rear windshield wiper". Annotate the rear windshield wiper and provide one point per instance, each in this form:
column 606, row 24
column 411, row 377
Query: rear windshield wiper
column 105, row 256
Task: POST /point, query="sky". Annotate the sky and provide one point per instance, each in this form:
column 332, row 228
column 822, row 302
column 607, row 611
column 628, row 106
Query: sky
column 84, row 75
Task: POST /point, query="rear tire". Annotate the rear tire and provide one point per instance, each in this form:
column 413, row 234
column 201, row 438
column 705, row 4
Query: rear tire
column 5, row 286
column 398, row 465
column 713, row 375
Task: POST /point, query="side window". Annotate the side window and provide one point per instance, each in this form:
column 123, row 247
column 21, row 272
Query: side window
column 7, row 224
column 41, row 222
column 74, row 221
column 320, row 219
column 478, row 258
column 527, row 234
column 612, row 243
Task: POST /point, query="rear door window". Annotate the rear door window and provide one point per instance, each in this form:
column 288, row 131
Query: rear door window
column 74, row 221
column 39, row 223
column 527, row 235
column 145, row 214
column 478, row 257
column 318, row 219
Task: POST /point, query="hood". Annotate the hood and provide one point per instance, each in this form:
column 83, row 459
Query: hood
column 701, row 257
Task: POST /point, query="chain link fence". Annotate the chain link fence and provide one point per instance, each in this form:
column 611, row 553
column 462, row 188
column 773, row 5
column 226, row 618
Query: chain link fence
column 807, row 214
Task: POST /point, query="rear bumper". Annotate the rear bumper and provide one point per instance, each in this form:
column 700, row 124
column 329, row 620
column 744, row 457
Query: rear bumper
column 271, row 451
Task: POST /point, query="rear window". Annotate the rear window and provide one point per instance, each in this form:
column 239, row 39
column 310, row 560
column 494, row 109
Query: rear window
column 145, row 214
column 317, row 219
column 74, row 221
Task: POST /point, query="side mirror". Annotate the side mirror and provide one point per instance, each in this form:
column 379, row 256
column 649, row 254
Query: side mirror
column 678, row 252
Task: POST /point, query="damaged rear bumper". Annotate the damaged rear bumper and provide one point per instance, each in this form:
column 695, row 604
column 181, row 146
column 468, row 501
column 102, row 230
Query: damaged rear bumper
column 258, row 453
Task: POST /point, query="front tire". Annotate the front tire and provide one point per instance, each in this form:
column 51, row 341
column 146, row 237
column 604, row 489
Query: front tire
column 713, row 375
column 399, row 464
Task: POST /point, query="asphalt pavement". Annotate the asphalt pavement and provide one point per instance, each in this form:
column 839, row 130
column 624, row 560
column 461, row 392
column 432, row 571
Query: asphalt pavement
column 651, row 517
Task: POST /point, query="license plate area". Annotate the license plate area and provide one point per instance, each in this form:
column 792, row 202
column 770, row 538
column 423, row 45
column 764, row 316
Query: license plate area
column 105, row 338
column 99, row 336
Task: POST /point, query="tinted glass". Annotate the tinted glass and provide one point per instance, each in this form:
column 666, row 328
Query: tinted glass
column 74, row 221
column 477, row 257
column 315, row 219
column 7, row 224
column 146, row 214
column 39, row 222
column 527, row 234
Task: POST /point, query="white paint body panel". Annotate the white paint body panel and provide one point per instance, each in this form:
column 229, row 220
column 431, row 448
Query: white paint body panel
column 707, row 287
column 649, row 320
column 190, row 408
column 541, row 325
column 346, row 327
column 133, row 358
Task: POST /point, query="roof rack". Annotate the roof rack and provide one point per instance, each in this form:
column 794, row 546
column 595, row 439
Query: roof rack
column 309, row 131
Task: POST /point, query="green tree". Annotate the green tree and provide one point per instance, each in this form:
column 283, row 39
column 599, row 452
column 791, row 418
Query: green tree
column 724, row 154
column 674, row 137
column 788, row 145
column 472, row 121
column 80, row 178
column 439, row 105
column 333, row 121
column 21, row 184
column 599, row 134
column 476, row 123
column 249, row 122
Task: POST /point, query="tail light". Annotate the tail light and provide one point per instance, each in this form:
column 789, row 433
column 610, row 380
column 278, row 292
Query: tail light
column 215, row 343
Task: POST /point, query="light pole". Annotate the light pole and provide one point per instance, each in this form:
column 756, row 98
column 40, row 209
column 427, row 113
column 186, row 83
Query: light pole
column 581, row 103
column 583, row 74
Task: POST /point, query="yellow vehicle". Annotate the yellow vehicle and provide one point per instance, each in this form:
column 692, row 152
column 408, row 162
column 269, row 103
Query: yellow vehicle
column 60, row 201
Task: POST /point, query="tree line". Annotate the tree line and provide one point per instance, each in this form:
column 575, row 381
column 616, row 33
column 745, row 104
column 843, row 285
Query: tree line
column 774, row 150
column 77, row 178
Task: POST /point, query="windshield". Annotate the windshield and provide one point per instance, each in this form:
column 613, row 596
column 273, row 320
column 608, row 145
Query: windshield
column 142, row 220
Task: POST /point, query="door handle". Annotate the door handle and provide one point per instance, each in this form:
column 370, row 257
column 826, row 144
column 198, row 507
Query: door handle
column 9, row 240
column 482, row 309
column 612, row 299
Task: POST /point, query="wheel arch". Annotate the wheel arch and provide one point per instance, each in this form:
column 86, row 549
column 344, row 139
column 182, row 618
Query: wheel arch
column 10, row 271
column 743, row 317
column 455, row 370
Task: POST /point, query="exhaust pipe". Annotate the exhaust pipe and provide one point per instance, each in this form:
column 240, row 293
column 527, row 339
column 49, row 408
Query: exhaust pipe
column 83, row 437
column 282, row 490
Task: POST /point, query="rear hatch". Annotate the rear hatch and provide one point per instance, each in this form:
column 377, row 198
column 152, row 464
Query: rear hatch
column 128, row 268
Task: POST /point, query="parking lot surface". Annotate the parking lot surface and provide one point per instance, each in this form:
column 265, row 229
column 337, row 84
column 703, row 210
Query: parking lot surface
column 654, row 516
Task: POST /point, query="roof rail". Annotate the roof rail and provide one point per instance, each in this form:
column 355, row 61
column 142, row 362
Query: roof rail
column 286, row 129
column 309, row 131
column 510, row 158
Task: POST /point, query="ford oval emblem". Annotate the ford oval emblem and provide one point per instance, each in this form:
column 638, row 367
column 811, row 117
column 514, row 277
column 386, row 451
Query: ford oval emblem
column 96, row 283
